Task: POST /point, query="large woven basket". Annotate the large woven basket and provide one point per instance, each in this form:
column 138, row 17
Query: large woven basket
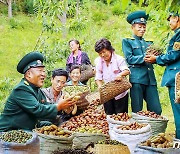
column 110, row 149
column 111, row 89
column 86, row 72
column 82, row 91
column 93, row 96
column 177, row 88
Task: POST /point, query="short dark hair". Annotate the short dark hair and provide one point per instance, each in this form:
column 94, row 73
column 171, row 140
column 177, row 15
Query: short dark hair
column 76, row 41
column 103, row 44
column 59, row 72
column 73, row 67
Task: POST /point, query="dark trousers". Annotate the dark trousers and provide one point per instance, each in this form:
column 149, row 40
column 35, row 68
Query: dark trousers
column 176, row 110
column 116, row 106
column 149, row 93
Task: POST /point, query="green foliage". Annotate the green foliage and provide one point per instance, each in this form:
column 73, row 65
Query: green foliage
column 6, row 86
column 77, row 24
column 29, row 6
column 99, row 16
column 13, row 23
column 116, row 9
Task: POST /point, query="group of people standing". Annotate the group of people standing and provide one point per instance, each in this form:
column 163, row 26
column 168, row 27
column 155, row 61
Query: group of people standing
column 28, row 103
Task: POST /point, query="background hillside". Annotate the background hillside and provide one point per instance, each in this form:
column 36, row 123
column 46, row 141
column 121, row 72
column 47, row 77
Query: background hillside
column 45, row 31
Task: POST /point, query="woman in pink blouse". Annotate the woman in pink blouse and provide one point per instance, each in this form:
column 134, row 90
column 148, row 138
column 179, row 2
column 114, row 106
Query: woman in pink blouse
column 109, row 67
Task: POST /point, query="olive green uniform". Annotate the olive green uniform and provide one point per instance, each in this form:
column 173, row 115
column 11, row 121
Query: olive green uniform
column 24, row 107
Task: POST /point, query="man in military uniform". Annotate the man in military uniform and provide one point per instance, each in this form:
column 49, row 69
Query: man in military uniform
column 172, row 62
column 26, row 103
column 142, row 76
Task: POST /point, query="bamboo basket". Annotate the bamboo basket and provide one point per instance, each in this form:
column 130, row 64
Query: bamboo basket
column 93, row 96
column 110, row 149
column 177, row 88
column 82, row 91
column 86, row 72
column 111, row 89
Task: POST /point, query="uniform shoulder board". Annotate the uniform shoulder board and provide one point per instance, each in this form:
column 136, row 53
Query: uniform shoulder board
column 150, row 41
column 176, row 46
column 130, row 38
column 25, row 82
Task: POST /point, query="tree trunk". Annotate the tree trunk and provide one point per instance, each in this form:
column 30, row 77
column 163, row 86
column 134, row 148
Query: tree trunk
column 10, row 8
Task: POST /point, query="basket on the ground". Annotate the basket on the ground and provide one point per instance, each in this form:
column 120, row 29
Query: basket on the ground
column 80, row 90
column 110, row 149
column 111, row 89
column 87, row 72
column 177, row 88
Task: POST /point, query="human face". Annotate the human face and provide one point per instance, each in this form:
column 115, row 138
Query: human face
column 173, row 22
column 36, row 76
column 105, row 54
column 75, row 75
column 139, row 29
column 58, row 82
column 73, row 46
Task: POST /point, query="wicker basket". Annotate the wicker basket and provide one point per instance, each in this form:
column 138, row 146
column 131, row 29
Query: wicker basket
column 177, row 88
column 93, row 96
column 82, row 91
column 111, row 89
column 86, row 72
column 110, row 149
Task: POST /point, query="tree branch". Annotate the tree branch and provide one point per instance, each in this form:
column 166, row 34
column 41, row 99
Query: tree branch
column 4, row 2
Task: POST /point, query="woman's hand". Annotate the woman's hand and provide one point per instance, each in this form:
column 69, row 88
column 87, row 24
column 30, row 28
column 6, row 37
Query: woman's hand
column 118, row 78
column 122, row 74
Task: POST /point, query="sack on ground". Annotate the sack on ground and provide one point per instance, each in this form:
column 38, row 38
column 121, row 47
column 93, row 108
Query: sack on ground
column 31, row 146
column 50, row 143
column 81, row 140
column 131, row 137
column 113, row 122
column 157, row 125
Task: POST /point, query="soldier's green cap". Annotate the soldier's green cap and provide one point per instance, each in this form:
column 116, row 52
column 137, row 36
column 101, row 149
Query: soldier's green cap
column 32, row 59
column 173, row 14
column 137, row 17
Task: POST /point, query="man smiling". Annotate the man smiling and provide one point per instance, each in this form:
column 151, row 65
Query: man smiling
column 26, row 103
column 142, row 76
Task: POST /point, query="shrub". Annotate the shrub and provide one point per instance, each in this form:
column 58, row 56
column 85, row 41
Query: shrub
column 116, row 9
column 99, row 16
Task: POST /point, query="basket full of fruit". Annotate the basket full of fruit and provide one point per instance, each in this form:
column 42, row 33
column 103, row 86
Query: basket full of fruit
column 80, row 93
column 112, row 89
